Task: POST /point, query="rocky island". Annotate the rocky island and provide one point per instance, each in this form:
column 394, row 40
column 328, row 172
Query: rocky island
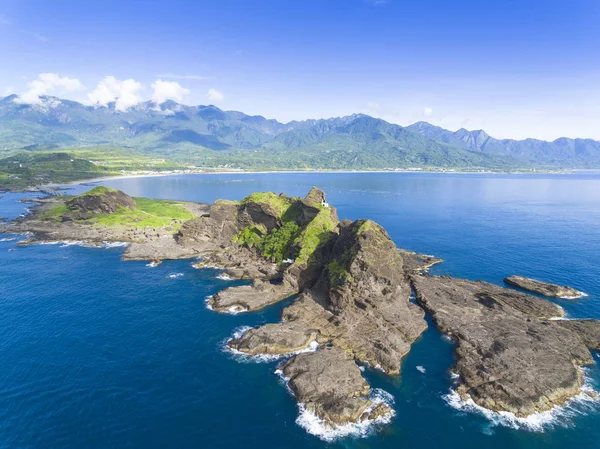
column 353, row 298
column 543, row 288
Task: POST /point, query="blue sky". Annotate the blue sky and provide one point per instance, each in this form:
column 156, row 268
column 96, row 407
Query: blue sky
column 527, row 68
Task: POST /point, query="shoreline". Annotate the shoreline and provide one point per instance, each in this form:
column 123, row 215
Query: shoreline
column 134, row 175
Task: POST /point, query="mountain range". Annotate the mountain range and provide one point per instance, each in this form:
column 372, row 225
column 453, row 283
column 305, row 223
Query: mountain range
column 209, row 136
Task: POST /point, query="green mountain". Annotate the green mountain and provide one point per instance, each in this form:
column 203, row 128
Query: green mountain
column 209, row 136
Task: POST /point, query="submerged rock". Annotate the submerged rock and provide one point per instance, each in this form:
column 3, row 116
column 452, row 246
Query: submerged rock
column 543, row 288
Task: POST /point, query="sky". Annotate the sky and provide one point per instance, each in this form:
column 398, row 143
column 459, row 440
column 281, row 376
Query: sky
column 515, row 68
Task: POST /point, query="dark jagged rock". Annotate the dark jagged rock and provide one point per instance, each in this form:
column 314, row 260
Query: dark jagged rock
column 331, row 386
column 99, row 200
column 543, row 288
column 316, row 197
column 507, row 357
column 281, row 338
column 360, row 309
column 213, row 230
column 415, row 262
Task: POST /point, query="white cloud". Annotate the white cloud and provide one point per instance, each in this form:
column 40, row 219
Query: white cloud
column 168, row 90
column 427, row 112
column 214, row 95
column 48, row 84
column 183, row 77
column 125, row 93
column 9, row 90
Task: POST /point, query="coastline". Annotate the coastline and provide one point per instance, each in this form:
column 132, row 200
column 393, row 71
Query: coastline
column 151, row 174
column 133, row 175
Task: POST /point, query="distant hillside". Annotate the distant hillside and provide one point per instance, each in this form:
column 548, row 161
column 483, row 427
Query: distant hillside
column 209, row 136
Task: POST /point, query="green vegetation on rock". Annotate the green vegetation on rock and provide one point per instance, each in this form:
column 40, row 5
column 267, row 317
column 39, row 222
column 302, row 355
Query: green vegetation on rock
column 278, row 204
column 275, row 245
column 251, row 236
column 97, row 191
column 148, row 213
column 317, row 232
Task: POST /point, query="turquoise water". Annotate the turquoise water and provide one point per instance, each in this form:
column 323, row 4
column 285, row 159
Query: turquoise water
column 100, row 353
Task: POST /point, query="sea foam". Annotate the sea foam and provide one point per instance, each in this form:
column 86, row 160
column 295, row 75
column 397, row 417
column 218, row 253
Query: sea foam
column 260, row 358
column 559, row 416
column 577, row 296
column 326, row 432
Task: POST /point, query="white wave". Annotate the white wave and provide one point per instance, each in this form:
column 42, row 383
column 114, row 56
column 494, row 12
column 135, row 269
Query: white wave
column 421, row 369
column 234, row 310
column 561, row 415
column 261, row 358
column 559, row 318
column 448, row 338
column 577, row 296
column 202, row 267
column 326, row 432
column 454, row 376
column 115, row 244
column 66, row 243
column 175, row 275
column 153, row 264
column 8, row 239
column 207, row 302
column 84, row 243
column 223, row 277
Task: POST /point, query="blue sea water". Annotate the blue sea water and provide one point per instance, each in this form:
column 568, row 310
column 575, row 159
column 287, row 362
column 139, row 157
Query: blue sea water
column 100, row 353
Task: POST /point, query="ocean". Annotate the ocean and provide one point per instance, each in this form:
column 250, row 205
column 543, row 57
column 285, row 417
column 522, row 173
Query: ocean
column 101, row 353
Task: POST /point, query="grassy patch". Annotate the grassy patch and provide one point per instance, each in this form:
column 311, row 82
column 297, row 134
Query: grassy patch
column 149, row 213
column 97, row 191
column 318, row 231
column 55, row 213
column 277, row 203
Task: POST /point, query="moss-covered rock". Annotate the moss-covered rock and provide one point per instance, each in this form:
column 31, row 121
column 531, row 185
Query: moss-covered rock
column 100, row 200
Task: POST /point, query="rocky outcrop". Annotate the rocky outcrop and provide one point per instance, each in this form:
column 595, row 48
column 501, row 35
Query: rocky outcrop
column 281, row 339
column 331, row 386
column 587, row 330
column 415, row 262
column 508, row 357
column 252, row 297
column 360, row 310
column 354, row 290
column 543, row 288
column 99, row 200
